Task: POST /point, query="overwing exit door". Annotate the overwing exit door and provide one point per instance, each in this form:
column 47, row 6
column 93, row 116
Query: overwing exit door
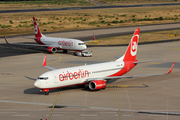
column 55, row 78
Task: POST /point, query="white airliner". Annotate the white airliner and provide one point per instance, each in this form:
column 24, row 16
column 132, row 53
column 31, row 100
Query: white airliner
column 53, row 44
column 96, row 75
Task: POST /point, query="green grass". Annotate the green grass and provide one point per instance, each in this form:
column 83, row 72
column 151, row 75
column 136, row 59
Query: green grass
column 89, row 19
column 135, row 1
column 144, row 37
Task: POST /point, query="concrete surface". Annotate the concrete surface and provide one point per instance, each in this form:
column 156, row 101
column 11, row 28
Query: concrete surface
column 21, row 65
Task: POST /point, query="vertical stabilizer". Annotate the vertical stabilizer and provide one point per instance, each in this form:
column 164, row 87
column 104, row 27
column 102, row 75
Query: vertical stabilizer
column 36, row 29
column 131, row 51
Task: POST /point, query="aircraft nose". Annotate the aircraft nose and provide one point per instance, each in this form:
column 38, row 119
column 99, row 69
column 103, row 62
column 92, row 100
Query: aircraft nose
column 37, row 83
column 85, row 47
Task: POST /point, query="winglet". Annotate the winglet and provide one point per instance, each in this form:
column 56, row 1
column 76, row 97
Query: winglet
column 6, row 39
column 171, row 68
column 44, row 64
column 44, row 61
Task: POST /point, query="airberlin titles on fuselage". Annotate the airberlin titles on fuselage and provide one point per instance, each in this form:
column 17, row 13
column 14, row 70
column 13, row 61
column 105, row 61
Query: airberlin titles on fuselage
column 75, row 75
column 65, row 43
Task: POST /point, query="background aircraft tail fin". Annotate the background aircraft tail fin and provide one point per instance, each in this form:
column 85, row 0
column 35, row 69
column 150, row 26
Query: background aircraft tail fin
column 36, row 29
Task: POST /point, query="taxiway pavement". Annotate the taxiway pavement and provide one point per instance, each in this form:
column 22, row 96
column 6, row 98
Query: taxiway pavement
column 20, row 100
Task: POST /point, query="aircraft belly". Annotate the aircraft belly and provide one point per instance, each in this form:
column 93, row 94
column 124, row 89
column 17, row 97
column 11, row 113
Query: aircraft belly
column 67, row 83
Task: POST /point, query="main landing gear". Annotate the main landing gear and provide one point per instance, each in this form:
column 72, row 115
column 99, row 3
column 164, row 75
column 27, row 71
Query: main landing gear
column 81, row 86
column 65, row 51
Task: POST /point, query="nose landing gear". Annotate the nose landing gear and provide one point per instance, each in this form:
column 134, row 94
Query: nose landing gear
column 46, row 91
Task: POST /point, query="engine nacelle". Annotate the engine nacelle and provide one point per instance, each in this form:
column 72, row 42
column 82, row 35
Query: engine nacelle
column 97, row 84
column 52, row 49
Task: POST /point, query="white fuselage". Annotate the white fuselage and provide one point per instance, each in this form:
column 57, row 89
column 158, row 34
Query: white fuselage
column 77, row 75
column 64, row 43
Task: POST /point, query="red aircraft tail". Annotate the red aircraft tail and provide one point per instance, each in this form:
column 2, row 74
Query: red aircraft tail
column 36, row 29
column 131, row 51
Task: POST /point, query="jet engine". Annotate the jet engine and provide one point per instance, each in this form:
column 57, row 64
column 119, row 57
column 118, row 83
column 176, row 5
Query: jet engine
column 97, row 84
column 52, row 49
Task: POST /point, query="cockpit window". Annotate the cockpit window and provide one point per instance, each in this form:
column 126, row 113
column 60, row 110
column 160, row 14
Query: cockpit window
column 43, row 78
column 81, row 43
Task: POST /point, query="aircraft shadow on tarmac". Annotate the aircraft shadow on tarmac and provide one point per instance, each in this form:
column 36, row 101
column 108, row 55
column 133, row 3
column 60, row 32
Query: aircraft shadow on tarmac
column 13, row 50
column 35, row 90
column 57, row 106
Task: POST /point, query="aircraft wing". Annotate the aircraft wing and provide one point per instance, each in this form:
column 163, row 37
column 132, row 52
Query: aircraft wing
column 44, row 64
column 131, row 76
column 148, row 61
column 29, row 37
column 25, row 44
column 143, row 61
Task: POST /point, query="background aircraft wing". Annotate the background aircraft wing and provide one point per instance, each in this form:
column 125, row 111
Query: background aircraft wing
column 25, row 44
column 28, row 37
column 130, row 76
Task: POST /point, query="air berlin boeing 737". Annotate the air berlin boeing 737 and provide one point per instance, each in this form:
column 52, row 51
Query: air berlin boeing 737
column 96, row 75
column 53, row 44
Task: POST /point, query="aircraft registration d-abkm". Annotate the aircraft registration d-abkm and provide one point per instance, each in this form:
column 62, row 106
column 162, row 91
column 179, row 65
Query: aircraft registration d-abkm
column 96, row 75
column 53, row 44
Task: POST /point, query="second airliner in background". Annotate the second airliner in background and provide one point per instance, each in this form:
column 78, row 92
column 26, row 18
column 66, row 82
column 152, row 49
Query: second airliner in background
column 53, row 44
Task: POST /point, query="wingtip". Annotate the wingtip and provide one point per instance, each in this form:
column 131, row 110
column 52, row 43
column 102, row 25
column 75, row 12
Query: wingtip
column 44, row 61
column 171, row 68
column 6, row 39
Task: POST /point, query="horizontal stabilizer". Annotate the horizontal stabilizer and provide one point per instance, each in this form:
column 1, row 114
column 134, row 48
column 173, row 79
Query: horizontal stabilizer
column 117, row 57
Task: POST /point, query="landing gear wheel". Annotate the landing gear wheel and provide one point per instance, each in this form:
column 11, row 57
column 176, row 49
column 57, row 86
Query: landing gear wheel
column 65, row 51
column 46, row 93
column 103, row 88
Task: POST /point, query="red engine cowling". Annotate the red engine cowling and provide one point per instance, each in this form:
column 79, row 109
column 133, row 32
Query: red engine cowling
column 52, row 49
column 97, row 84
